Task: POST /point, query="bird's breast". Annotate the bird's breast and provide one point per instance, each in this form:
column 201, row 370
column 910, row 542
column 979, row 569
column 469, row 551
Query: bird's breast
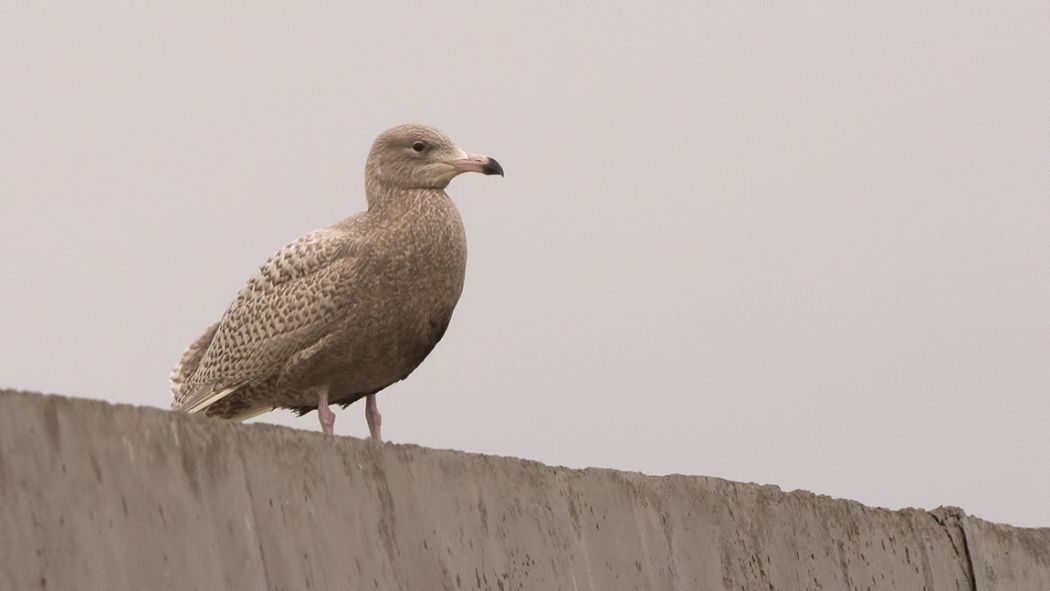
column 416, row 277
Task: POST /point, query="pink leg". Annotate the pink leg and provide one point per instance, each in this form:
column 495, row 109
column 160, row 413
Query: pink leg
column 325, row 414
column 375, row 420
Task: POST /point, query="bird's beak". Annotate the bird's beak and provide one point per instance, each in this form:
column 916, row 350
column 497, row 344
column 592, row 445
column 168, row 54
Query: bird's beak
column 476, row 163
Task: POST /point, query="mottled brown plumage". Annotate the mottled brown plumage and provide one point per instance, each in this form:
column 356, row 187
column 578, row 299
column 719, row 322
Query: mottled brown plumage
column 344, row 311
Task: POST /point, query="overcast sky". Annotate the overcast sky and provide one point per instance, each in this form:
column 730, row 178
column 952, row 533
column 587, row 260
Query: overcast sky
column 801, row 245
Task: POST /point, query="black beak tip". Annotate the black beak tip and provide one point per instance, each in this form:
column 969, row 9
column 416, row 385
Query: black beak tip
column 492, row 167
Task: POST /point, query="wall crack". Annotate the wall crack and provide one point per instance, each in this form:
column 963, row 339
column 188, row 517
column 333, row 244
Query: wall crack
column 951, row 519
column 255, row 518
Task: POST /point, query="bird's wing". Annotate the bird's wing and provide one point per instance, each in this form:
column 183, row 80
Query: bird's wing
column 284, row 308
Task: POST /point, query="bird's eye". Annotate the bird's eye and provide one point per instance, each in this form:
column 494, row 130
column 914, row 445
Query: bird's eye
column 419, row 146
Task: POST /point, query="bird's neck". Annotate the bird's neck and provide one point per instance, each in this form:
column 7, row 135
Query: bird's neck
column 384, row 201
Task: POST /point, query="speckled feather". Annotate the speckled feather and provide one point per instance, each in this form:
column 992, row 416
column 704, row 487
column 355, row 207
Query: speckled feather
column 353, row 307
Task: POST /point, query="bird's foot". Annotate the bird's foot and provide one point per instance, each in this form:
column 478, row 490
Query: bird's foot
column 327, row 418
column 325, row 414
column 375, row 420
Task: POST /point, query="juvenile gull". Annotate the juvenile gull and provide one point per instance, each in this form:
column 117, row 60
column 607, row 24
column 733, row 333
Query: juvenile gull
column 347, row 310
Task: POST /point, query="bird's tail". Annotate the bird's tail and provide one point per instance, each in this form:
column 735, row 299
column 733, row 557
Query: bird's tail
column 191, row 358
column 251, row 413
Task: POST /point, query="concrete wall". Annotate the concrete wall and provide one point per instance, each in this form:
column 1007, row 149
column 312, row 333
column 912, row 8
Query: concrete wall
column 95, row 496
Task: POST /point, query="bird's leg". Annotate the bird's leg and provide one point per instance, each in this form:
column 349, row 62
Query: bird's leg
column 375, row 420
column 325, row 414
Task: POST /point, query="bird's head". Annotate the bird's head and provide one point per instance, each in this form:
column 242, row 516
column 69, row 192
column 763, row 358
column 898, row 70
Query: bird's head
column 420, row 157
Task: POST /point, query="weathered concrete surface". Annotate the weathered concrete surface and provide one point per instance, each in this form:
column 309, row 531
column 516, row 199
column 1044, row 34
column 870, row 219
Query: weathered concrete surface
column 96, row 496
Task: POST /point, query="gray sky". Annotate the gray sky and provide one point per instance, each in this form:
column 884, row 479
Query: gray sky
column 799, row 245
